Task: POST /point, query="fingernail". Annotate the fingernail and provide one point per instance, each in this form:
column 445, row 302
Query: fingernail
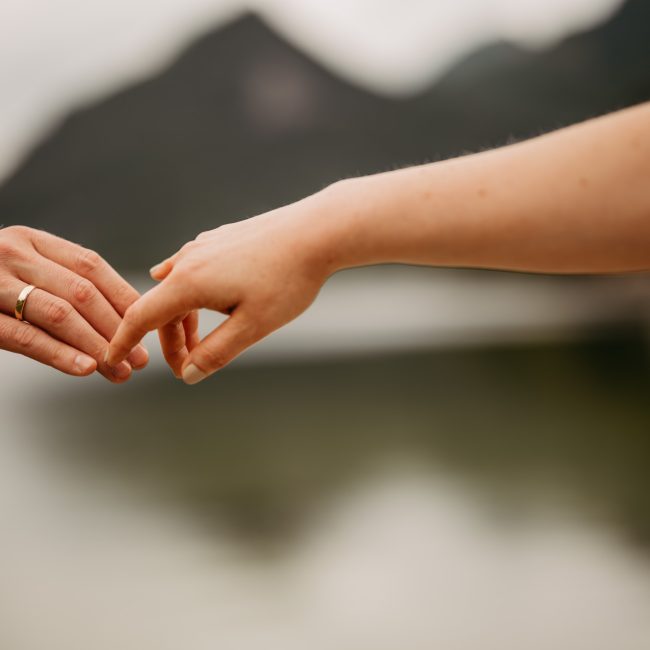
column 139, row 357
column 193, row 375
column 122, row 370
column 84, row 364
column 154, row 269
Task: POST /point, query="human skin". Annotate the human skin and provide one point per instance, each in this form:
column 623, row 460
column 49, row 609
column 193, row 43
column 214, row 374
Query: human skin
column 74, row 311
column 573, row 201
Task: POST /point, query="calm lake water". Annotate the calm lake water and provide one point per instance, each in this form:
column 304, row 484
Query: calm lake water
column 493, row 498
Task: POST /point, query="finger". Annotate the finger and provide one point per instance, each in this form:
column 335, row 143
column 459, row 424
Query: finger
column 191, row 326
column 220, row 347
column 164, row 303
column 173, row 344
column 32, row 342
column 88, row 264
column 162, row 270
column 84, row 296
column 60, row 320
column 178, row 339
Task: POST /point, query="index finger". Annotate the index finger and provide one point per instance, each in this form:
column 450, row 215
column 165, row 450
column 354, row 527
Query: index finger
column 90, row 265
column 162, row 304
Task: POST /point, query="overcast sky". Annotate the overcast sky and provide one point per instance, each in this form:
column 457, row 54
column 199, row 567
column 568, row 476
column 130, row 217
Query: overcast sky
column 54, row 55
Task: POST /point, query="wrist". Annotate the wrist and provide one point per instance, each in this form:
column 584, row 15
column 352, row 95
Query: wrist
column 338, row 226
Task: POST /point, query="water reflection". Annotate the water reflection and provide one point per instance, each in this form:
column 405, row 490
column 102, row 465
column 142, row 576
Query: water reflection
column 491, row 498
column 261, row 448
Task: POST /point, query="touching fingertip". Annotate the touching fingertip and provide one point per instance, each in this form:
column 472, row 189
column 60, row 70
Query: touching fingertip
column 193, row 375
column 84, row 365
column 122, row 370
column 139, row 358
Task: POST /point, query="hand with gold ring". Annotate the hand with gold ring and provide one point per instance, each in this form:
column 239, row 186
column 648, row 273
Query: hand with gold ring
column 70, row 302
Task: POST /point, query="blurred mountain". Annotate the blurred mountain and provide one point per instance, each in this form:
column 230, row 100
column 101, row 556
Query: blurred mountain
column 243, row 122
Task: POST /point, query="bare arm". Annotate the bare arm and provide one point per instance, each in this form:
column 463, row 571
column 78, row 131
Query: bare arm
column 573, row 201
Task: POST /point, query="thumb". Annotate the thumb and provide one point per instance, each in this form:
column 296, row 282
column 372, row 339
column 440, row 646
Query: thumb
column 220, row 347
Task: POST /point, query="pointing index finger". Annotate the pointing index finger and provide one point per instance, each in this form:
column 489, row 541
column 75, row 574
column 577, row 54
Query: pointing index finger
column 156, row 308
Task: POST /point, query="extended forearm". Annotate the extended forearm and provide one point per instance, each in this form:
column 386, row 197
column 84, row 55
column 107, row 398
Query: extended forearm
column 576, row 200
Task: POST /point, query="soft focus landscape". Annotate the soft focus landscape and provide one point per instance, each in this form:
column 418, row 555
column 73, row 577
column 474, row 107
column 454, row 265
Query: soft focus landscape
column 428, row 458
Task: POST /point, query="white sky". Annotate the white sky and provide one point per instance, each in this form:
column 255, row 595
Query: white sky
column 54, row 55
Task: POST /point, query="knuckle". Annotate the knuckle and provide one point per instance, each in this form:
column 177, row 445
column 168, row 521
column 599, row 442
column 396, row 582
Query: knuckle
column 83, row 290
column 8, row 249
column 209, row 234
column 223, row 231
column 20, row 231
column 25, row 336
column 57, row 312
column 88, row 261
column 132, row 315
column 124, row 294
column 56, row 356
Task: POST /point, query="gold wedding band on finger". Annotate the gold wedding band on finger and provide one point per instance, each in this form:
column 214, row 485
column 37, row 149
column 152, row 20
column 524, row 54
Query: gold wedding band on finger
column 22, row 300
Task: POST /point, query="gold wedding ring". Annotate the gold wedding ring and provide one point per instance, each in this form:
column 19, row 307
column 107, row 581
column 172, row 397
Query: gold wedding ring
column 22, row 299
